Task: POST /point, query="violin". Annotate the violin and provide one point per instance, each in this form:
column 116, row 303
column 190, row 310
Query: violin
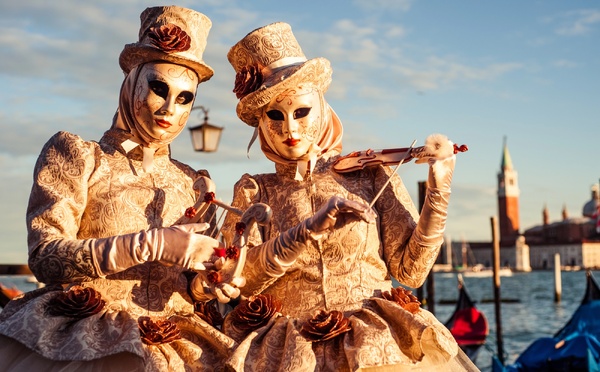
column 436, row 146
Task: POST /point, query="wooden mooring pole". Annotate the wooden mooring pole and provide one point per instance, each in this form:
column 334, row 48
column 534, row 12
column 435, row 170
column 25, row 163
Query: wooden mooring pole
column 497, row 299
column 557, row 278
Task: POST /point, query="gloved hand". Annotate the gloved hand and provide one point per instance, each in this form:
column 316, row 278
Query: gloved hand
column 440, row 173
column 203, row 290
column 333, row 214
column 338, row 212
column 177, row 245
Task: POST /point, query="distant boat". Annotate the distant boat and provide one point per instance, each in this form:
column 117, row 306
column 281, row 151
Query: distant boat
column 575, row 347
column 468, row 325
column 481, row 271
column 7, row 294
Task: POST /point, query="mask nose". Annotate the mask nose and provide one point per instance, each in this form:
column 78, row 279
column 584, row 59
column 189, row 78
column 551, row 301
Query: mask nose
column 290, row 126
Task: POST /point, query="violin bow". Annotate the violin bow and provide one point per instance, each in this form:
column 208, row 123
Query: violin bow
column 406, row 156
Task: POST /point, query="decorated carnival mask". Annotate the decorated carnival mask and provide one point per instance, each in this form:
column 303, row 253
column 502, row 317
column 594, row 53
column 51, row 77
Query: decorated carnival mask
column 291, row 122
column 162, row 100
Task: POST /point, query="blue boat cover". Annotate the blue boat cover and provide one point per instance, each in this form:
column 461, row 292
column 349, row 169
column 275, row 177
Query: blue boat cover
column 576, row 347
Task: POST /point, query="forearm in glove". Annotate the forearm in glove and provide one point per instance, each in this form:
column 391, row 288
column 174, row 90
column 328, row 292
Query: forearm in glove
column 177, row 245
column 432, row 219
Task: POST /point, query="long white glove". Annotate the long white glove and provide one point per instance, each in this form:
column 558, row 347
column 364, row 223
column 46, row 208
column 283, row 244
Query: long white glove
column 279, row 253
column 432, row 219
column 176, row 245
column 333, row 214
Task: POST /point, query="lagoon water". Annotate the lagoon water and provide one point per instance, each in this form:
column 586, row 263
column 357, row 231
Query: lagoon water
column 535, row 315
column 531, row 312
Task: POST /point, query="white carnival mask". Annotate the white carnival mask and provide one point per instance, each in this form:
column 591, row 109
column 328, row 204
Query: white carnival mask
column 162, row 101
column 291, row 122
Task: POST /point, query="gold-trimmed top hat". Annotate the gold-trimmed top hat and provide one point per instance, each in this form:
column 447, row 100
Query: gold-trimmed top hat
column 172, row 34
column 268, row 61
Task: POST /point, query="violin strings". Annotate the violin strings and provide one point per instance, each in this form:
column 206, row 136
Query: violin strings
column 406, row 155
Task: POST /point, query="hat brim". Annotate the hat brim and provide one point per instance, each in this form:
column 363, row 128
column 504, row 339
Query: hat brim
column 136, row 54
column 317, row 71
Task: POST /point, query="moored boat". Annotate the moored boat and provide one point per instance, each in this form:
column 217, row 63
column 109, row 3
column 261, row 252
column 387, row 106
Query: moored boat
column 575, row 347
column 468, row 325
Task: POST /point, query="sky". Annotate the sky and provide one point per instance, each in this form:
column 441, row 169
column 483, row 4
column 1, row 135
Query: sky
column 480, row 72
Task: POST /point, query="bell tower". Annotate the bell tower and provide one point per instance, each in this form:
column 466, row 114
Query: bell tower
column 508, row 200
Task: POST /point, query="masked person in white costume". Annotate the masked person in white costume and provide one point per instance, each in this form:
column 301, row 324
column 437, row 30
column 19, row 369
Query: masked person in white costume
column 318, row 294
column 101, row 230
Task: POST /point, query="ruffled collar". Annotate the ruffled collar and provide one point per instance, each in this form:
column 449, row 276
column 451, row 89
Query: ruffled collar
column 120, row 140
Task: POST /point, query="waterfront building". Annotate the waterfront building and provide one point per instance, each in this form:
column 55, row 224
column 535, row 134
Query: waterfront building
column 575, row 239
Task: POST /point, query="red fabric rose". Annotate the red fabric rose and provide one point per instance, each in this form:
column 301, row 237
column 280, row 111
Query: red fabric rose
column 77, row 302
column 247, row 81
column 255, row 312
column 170, row 38
column 404, row 298
column 324, row 326
column 158, row 332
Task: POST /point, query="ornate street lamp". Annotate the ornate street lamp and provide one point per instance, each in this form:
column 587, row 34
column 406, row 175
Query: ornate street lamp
column 205, row 137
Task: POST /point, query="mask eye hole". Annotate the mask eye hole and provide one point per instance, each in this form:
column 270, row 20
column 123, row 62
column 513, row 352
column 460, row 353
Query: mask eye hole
column 185, row 97
column 159, row 88
column 275, row 115
column 301, row 112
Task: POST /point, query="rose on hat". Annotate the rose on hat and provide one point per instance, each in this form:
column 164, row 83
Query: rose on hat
column 268, row 61
column 172, row 34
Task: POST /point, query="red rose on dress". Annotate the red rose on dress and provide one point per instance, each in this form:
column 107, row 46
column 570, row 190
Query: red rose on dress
column 255, row 312
column 404, row 298
column 247, row 81
column 170, row 38
column 76, row 302
column 158, row 332
column 324, row 326
column 209, row 313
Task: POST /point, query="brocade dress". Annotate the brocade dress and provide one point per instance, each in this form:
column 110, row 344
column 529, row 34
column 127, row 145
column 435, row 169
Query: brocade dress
column 85, row 190
column 347, row 271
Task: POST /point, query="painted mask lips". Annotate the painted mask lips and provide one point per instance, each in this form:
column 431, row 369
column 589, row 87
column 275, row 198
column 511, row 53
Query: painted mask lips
column 163, row 124
column 291, row 142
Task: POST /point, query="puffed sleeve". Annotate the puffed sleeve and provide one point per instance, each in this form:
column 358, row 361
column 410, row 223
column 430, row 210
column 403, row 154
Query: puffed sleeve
column 407, row 257
column 56, row 204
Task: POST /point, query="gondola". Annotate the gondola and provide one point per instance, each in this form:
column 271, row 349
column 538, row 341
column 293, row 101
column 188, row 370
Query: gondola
column 575, row 347
column 468, row 325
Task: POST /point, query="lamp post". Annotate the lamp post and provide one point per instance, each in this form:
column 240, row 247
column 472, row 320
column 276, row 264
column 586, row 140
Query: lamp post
column 205, row 137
